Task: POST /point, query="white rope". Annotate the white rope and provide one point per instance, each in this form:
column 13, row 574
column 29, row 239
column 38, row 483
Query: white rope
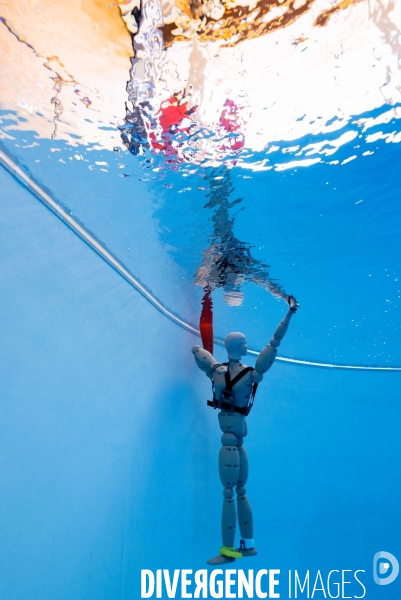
column 12, row 167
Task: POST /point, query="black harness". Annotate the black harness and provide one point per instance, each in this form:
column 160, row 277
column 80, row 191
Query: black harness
column 226, row 400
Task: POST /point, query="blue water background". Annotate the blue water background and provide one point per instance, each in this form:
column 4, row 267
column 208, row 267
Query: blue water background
column 109, row 453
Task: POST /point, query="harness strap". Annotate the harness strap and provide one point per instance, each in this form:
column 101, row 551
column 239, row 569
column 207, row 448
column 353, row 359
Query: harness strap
column 213, row 370
column 238, row 409
column 219, row 365
column 230, row 383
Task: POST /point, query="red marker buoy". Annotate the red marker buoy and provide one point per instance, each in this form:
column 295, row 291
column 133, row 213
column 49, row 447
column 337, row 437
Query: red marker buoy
column 206, row 321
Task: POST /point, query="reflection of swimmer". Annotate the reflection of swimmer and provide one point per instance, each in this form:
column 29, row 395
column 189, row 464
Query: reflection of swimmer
column 173, row 124
column 228, row 262
column 165, row 129
column 161, row 120
column 172, row 130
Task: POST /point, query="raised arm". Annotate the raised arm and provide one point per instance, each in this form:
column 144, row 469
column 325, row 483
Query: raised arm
column 268, row 354
column 204, row 360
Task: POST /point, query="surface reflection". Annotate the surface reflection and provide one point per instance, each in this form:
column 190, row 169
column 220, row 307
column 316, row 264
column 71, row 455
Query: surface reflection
column 170, row 129
column 228, row 263
column 239, row 75
column 277, row 72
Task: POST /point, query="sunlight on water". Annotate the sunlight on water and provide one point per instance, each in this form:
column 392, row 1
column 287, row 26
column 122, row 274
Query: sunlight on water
column 203, row 81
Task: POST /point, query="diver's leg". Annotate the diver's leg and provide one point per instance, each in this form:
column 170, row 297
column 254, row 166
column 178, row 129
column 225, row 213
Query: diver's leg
column 229, row 471
column 245, row 519
column 229, row 463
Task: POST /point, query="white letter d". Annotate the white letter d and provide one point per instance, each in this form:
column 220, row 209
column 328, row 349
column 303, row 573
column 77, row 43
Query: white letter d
column 144, row 574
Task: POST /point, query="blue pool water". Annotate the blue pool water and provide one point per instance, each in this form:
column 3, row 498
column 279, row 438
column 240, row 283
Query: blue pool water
column 108, row 450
